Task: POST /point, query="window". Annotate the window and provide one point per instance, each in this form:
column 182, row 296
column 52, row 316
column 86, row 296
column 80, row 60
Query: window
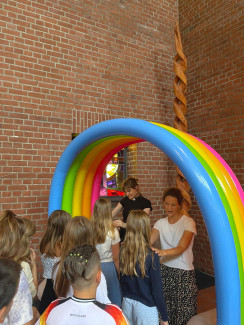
column 114, row 175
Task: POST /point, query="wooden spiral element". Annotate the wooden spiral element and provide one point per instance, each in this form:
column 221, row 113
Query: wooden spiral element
column 180, row 84
column 182, row 184
column 180, row 109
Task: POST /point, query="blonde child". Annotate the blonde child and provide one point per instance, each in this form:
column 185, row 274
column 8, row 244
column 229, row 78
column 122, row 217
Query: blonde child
column 107, row 241
column 12, row 237
column 78, row 231
column 27, row 256
column 140, row 278
column 50, row 248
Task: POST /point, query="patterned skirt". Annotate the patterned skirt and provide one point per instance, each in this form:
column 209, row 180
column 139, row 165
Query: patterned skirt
column 180, row 293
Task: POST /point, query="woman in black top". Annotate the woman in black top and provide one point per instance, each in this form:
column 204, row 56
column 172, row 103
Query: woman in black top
column 133, row 200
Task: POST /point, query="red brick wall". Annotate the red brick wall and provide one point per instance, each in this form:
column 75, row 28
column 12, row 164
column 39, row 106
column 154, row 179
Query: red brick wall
column 66, row 65
column 212, row 36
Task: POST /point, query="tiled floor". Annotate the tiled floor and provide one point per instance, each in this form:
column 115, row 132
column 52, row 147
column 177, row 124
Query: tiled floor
column 206, row 299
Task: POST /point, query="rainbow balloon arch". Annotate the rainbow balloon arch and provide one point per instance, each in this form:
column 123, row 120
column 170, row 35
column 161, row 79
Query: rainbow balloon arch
column 77, row 178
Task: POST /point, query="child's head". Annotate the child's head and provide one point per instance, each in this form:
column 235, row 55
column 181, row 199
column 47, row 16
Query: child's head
column 138, row 226
column 14, row 243
column 102, row 209
column 9, row 280
column 78, row 231
column 54, row 232
column 102, row 220
column 136, row 242
column 81, row 266
column 30, row 228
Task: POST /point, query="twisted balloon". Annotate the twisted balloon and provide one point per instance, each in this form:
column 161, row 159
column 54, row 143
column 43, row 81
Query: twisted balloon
column 180, row 109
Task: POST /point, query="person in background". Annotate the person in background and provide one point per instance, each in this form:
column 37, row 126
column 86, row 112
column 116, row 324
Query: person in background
column 140, row 279
column 133, row 200
column 50, row 248
column 78, row 231
column 176, row 233
column 12, row 235
column 107, row 240
column 9, row 281
column 82, row 269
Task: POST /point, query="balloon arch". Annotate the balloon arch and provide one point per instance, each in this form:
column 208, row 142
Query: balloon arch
column 77, row 178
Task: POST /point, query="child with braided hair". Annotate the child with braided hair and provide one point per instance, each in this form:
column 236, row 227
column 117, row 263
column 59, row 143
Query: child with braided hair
column 82, row 268
column 78, row 231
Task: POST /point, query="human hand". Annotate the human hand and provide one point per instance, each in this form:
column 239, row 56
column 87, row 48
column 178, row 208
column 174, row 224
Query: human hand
column 119, row 223
column 32, row 257
column 159, row 252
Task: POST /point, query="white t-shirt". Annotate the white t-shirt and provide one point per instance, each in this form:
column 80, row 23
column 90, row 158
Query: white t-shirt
column 105, row 249
column 102, row 291
column 21, row 310
column 170, row 235
column 77, row 311
column 27, row 270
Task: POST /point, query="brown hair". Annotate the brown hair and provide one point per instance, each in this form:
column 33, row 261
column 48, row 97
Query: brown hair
column 130, row 182
column 174, row 192
column 102, row 221
column 30, row 228
column 7, row 213
column 54, row 232
column 81, row 265
column 78, row 231
column 136, row 243
column 14, row 243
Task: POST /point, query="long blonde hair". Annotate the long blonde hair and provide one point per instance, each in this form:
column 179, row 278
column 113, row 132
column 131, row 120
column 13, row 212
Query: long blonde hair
column 14, row 243
column 78, row 231
column 54, row 232
column 102, row 221
column 136, row 243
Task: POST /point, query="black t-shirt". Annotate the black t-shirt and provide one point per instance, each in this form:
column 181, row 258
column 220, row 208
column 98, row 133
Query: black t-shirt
column 138, row 203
